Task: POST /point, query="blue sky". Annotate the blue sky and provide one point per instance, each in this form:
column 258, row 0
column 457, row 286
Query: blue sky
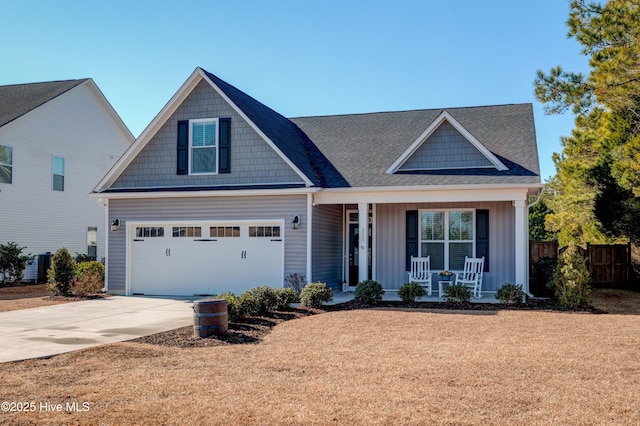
column 300, row 58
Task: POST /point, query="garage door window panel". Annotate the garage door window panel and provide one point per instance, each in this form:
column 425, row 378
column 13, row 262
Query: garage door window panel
column 187, row 231
column 150, row 232
column 224, row 231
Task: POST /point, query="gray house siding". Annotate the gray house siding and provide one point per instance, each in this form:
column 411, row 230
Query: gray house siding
column 327, row 245
column 446, row 148
column 391, row 244
column 209, row 208
column 253, row 161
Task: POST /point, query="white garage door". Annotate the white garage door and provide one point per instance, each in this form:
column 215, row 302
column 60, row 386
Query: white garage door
column 188, row 259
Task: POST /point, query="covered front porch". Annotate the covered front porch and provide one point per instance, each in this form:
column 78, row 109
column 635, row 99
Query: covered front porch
column 445, row 225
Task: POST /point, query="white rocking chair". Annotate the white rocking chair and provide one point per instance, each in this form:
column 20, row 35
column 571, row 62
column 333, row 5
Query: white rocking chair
column 420, row 272
column 472, row 275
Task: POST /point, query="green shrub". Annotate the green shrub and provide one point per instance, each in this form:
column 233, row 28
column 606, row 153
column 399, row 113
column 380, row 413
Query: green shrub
column 80, row 258
column 368, row 292
column 258, row 301
column 510, row 293
column 285, row 297
column 90, row 282
column 457, row 293
column 248, row 305
column 233, row 304
column 60, row 273
column 80, row 268
column 409, row 292
column 313, row 294
column 572, row 279
column 13, row 262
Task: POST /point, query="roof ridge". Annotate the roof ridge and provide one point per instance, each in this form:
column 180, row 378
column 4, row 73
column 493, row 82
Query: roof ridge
column 410, row 110
column 79, row 80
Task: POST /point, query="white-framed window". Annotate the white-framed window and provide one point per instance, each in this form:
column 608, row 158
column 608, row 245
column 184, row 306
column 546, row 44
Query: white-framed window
column 57, row 170
column 203, row 146
column 447, row 236
column 6, row 164
column 92, row 241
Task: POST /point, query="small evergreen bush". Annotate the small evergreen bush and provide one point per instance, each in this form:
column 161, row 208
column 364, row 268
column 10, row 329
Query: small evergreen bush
column 80, row 268
column 457, row 293
column 313, row 294
column 248, row 305
column 60, row 273
column 572, row 279
column 409, row 292
column 233, row 303
column 368, row 292
column 90, row 282
column 258, row 301
column 510, row 294
column 13, row 262
column 285, row 297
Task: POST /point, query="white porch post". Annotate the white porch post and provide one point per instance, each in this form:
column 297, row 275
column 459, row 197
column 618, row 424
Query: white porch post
column 363, row 241
column 521, row 242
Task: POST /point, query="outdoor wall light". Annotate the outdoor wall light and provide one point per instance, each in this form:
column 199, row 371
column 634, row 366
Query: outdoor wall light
column 115, row 224
column 295, row 222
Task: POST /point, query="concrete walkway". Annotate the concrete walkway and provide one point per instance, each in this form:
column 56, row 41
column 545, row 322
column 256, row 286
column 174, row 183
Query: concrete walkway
column 50, row 330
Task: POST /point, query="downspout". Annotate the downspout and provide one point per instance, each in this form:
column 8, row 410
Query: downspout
column 528, row 250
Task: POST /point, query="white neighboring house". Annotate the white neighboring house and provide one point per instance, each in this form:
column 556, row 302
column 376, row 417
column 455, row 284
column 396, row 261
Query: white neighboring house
column 57, row 140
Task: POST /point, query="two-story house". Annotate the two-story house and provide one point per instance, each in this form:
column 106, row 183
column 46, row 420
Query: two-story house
column 57, row 139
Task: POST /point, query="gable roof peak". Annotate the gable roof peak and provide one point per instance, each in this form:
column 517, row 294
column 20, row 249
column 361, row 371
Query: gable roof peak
column 445, row 116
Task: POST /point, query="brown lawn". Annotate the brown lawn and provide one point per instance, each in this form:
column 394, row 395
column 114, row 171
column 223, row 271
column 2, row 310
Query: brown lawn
column 25, row 297
column 356, row 367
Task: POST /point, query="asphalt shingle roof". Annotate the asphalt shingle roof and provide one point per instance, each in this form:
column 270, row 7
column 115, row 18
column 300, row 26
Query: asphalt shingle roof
column 18, row 99
column 294, row 143
column 363, row 146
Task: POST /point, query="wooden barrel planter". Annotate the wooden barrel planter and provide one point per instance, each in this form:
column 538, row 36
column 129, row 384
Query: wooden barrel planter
column 210, row 317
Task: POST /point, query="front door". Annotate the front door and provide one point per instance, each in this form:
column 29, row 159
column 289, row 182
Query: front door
column 352, row 243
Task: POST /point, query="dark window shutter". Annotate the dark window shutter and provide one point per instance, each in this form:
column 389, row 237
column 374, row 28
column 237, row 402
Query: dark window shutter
column 482, row 236
column 224, row 148
column 412, row 236
column 183, row 147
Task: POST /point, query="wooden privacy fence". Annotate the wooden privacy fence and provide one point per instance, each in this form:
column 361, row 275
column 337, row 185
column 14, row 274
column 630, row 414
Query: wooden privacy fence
column 607, row 263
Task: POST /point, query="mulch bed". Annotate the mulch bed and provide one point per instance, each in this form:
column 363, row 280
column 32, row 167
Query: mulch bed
column 251, row 330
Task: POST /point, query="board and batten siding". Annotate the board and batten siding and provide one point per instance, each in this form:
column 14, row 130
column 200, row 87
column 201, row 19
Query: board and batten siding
column 327, row 244
column 391, row 244
column 232, row 208
column 77, row 127
column 253, row 161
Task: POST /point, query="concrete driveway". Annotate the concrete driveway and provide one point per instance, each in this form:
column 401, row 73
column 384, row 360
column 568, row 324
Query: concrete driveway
column 50, row 330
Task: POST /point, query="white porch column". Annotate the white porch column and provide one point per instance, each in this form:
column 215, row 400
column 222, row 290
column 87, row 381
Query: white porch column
column 522, row 242
column 363, row 241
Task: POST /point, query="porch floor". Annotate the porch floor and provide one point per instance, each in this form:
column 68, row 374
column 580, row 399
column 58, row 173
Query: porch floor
column 392, row 296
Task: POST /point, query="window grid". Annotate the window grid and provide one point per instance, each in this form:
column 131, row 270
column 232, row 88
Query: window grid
column 447, row 249
column 264, row 231
column 203, row 146
column 150, row 232
column 187, row 232
column 6, row 164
